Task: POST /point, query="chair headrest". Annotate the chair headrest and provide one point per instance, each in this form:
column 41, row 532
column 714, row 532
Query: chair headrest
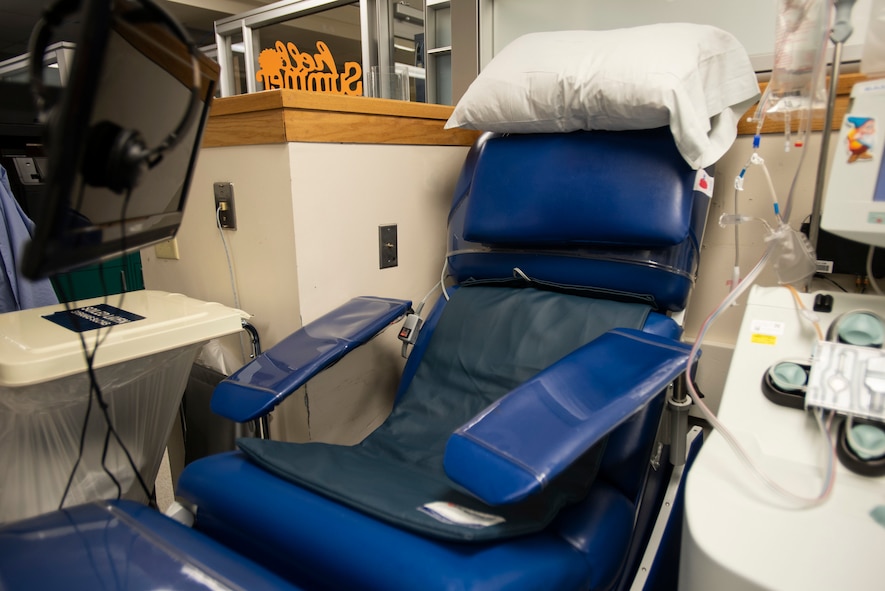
column 557, row 201
column 624, row 188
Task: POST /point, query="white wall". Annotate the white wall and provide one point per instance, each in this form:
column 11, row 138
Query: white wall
column 751, row 21
column 343, row 192
column 307, row 241
column 262, row 249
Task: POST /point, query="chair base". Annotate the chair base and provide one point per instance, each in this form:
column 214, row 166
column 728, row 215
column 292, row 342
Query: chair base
column 657, row 568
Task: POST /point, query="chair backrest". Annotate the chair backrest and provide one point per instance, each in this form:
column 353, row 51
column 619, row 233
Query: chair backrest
column 614, row 213
column 608, row 215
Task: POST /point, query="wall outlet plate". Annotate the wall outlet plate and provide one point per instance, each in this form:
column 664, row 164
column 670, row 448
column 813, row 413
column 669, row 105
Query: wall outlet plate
column 387, row 246
column 167, row 249
column 225, row 212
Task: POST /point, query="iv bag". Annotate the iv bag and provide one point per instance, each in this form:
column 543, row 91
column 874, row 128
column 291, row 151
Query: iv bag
column 872, row 62
column 797, row 81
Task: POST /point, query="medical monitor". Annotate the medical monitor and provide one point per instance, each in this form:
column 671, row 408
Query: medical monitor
column 854, row 207
column 123, row 138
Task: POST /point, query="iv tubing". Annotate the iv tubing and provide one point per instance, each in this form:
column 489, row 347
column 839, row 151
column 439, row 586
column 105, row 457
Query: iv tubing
column 829, row 478
column 788, row 204
column 771, row 188
column 736, row 274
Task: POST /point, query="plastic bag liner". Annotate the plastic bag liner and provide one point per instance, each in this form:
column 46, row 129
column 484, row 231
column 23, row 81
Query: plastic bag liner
column 488, row 341
column 41, row 424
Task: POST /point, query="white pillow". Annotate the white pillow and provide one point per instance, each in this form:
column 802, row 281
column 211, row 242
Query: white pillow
column 695, row 78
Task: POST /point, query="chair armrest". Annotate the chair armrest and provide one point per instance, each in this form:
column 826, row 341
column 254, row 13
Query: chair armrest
column 517, row 445
column 256, row 388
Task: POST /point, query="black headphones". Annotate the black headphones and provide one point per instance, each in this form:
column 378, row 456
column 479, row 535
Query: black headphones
column 118, row 157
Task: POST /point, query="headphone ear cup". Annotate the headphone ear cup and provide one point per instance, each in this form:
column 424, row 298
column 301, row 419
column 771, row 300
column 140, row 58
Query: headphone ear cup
column 115, row 157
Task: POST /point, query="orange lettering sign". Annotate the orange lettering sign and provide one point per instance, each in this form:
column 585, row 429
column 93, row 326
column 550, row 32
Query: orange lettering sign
column 284, row 66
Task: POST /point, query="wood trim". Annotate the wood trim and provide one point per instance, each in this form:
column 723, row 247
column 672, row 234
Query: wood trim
column 160, row 44
column 360, row 128
column 245, row 129
column 278, row 116
column 776, row 125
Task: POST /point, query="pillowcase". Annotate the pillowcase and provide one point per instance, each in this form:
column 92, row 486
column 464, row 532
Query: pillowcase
column 695, row 78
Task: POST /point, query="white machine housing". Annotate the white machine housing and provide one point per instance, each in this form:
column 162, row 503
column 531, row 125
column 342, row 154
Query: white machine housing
column 854, row 207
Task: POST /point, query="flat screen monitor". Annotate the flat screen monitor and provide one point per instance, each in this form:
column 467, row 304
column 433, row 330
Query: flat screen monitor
column 132, row 73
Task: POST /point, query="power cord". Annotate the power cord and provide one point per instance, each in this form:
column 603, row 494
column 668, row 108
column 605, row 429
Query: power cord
column 232, row 275
column 96, row 393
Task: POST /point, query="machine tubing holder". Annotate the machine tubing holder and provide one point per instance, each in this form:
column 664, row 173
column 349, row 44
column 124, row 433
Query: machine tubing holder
column 678, row 403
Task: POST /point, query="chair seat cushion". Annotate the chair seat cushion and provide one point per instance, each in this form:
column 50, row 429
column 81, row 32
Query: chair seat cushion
column 318, row 543
column 488, row 341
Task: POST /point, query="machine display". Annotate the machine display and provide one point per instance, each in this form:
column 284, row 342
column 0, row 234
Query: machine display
column 855, row 197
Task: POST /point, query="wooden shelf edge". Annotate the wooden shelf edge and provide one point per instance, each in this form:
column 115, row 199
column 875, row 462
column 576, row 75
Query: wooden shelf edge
column 315, row 101
column 746, row 126
column 309, row 117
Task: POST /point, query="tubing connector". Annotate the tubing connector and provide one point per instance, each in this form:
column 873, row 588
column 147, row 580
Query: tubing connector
column 727, row 219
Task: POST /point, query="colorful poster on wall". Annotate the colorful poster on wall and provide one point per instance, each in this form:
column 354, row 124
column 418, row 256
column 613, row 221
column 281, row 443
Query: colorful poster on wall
column 284, row 66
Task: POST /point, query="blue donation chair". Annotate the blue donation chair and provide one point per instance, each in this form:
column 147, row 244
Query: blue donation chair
column 523, row 444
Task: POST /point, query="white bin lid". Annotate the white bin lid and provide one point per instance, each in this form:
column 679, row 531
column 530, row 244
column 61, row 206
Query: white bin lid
column 35, row 349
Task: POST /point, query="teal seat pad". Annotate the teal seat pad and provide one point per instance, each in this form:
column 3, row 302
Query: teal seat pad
column 488, row 341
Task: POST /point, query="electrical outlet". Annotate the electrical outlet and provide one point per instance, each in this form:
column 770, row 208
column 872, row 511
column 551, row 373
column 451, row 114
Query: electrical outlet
column 387, row 246
column 224, row 205
column 167, row 250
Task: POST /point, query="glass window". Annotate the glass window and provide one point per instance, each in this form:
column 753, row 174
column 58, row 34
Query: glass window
column 407, row 43
column 301, row 38
column 319, row 52
column 322, row 45
column 238, row 63
column 56, row 65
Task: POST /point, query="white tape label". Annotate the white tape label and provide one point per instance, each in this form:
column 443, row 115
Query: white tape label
column 458, row 515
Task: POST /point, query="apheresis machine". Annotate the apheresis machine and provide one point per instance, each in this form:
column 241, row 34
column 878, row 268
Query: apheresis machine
column 790, row 493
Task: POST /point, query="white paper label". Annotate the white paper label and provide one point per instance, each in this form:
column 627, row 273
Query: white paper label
column 703, row 182
column 458, row 515
column 768, row 327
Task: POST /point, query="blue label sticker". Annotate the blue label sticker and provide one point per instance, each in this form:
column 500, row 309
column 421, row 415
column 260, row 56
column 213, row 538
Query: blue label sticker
column 92, row 317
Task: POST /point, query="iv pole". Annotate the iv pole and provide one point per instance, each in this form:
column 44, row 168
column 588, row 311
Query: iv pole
column 839, row 34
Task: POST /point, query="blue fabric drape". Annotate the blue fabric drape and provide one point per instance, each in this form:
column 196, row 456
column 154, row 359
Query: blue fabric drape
column 17, row 292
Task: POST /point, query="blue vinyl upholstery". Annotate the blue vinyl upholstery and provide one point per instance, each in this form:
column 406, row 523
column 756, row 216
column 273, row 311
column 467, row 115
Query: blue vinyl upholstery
column 255, row 390
column 570, row 407
column 588, row 216
column 120, row 545
column 624, row 201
